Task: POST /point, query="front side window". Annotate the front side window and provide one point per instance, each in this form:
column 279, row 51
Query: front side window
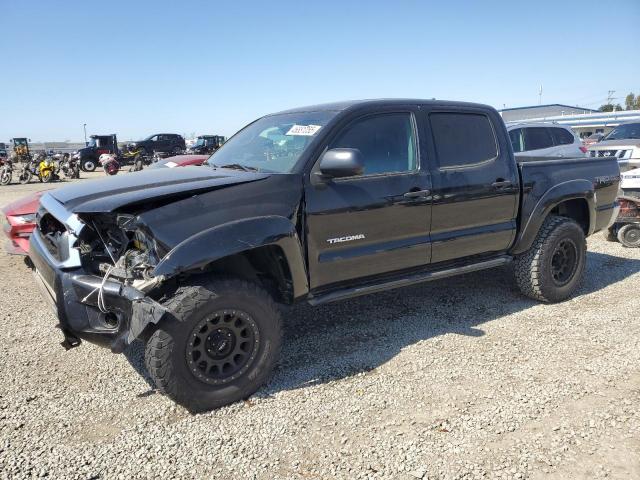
column 536, row 138
column 462, row 139
column 561, row 136
column 272, row 144
column 386, row 142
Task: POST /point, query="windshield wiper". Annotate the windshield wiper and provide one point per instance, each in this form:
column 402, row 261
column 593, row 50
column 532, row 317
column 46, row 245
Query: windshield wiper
column 238, row 166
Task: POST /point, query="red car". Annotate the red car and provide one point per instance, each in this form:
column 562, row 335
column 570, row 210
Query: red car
column 180, row 161
column 18, row 221
column 18, row 218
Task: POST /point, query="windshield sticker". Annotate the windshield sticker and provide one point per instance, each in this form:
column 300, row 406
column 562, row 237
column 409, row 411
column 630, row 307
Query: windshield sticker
column 171, row 164
column 304, row 130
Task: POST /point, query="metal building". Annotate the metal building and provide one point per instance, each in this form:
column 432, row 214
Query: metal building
column 542, row 111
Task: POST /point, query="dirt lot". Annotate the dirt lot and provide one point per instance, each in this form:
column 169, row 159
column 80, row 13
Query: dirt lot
column 462, row 378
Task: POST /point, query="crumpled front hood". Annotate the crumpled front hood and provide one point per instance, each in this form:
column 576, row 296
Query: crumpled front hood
column 112, row 193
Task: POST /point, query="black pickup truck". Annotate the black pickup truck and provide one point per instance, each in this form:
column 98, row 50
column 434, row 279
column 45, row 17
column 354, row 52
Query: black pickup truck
column 314, row 204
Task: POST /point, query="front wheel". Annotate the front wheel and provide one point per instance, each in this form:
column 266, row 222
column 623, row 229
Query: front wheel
column 629, row 235
column 5, row 178
column 46, row 176
column 89, row 165
column 220, row 346
column 552, row 269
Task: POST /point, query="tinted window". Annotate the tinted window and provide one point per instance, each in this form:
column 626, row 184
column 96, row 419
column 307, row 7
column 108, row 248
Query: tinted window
column 386, row 142
column 561, row 136
column 517, row 141
column 536, row 138
column 462, row 138
column 624, row 131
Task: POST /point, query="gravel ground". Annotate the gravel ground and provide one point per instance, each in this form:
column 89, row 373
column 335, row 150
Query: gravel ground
column 456, row 379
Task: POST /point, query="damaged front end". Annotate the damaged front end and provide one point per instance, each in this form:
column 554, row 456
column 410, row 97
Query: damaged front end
column 96, row 270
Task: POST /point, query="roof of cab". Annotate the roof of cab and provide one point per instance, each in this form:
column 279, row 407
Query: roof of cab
column 383, row 102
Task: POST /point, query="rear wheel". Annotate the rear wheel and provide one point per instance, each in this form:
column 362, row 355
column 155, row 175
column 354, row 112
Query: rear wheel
column 25, row 176
column 629, row 235
column 220, row 347
column 552, row 269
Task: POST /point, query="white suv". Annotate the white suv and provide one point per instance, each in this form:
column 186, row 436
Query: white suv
column 545, row 140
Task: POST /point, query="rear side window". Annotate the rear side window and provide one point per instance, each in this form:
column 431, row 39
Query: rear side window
column 536, row 138
column 517, row 142
column 387, row 142
column 561, row 136
column 462, row 139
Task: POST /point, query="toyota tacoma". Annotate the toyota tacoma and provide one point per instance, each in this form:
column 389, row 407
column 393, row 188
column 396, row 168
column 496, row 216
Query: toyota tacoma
column 314, row 204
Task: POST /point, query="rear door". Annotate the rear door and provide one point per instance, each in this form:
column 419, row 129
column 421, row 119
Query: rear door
column 474, row 184
column 378, row 222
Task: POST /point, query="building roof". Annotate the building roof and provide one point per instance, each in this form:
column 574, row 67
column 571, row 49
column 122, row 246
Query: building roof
column 560, row 105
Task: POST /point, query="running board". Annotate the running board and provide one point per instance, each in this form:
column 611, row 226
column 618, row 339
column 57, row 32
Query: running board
column 410, row 280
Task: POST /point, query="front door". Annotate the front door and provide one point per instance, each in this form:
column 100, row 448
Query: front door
column 377, row 222
column 475, row 186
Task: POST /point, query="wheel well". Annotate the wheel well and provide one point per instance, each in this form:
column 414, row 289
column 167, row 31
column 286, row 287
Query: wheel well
column 266, row 266
column 577, row 209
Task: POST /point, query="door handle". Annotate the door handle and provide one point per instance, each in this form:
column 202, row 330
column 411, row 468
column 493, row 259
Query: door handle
column 417, row 194
column 501, row 183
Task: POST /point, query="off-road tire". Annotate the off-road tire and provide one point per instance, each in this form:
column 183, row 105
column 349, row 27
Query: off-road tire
column 166, row 347
column 533, row 268
column 629, row 235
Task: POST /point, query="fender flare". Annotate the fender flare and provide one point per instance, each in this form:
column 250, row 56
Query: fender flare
column 236, row 237
column 562, row 192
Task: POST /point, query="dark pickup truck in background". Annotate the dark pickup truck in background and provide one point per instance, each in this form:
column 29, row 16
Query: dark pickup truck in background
column 315, row 204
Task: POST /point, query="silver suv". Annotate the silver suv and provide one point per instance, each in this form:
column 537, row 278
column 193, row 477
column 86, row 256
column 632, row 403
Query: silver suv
column 545, row 140
column 623, row 143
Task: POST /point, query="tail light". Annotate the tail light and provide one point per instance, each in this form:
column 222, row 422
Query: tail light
column 583, row 149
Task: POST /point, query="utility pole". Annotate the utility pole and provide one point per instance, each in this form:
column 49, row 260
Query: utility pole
column 540, row 95
column 84, row 126
column 610, row 96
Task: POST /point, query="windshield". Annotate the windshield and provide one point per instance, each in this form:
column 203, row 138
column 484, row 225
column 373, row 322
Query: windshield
column 92, row 142
column 199, row 143
column 628, row 130
column 271, row 144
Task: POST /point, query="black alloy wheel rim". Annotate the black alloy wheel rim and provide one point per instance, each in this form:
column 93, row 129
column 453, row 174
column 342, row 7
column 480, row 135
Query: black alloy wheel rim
column 222, row 346
column 564, row 262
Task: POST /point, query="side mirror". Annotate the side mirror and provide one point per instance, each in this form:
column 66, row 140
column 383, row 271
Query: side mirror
column 341, row 162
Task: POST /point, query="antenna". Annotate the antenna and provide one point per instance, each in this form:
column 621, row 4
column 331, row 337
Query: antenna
column 540, row 95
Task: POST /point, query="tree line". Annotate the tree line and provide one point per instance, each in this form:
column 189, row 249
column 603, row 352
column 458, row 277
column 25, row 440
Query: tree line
column 631, row 102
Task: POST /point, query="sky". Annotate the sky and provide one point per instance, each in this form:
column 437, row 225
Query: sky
column 209, row 67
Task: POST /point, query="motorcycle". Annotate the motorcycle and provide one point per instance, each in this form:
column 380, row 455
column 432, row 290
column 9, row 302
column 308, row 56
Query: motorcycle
column 42, row 167
column 47, row 170
column 109, row 163
column 70, row 167
column 6, row 171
